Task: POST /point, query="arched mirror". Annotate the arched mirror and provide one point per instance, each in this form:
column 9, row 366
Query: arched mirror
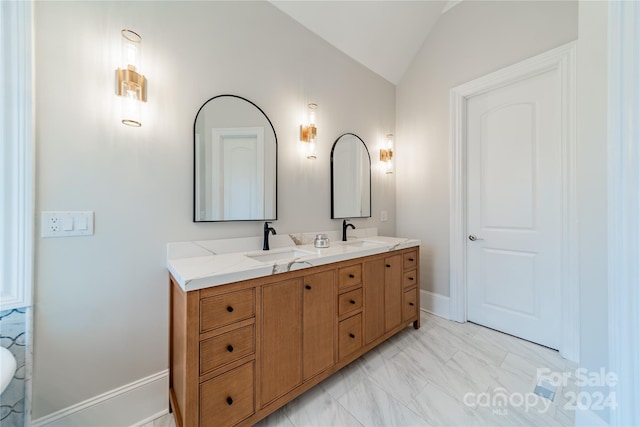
column 235, row 162
column 350, row 178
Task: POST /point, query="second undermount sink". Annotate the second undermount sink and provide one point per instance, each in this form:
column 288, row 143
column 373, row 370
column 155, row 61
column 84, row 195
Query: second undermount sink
column 277, row 255
column 363, row 243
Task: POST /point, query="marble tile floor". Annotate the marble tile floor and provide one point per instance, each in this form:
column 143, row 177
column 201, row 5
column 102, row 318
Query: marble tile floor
column 445, row 374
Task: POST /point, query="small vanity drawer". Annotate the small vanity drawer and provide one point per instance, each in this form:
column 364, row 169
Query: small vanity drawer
column 225, row 348
column 227, row 399
column 349, row 335
column 225, row 309
column 410, row 259
column 350, row 276
column 349, row 301
column 410, row 304
column 409, row 279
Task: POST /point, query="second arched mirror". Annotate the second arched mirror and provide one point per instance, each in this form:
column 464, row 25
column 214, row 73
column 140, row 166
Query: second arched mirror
column 350, row 178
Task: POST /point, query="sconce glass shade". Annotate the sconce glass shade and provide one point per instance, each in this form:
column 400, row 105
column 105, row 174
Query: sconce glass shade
column 131, row 85
column 309, row 132
column 386, row 155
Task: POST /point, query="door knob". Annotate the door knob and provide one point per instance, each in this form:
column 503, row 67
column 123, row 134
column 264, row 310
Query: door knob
column 473, row 237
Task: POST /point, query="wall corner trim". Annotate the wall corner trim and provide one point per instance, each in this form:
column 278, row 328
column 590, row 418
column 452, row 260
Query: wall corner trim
column 131, row 404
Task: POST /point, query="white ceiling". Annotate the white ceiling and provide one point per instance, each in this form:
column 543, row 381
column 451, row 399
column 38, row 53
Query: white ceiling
column 383, row 35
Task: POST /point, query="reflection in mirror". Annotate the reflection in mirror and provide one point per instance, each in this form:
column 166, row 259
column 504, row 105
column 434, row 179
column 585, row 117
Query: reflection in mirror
column 235, row 162
column 350, row 178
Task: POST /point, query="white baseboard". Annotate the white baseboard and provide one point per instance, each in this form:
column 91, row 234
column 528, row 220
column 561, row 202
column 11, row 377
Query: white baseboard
column 434, row 303
column 587, row 418
column 130, row 405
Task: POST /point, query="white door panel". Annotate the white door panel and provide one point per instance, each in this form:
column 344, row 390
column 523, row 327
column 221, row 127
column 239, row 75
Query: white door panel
column 514, row 208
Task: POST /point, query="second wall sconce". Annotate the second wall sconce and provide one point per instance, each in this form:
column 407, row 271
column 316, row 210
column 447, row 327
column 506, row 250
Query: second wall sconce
column 309, row 132
column 386, row 154
column 130, row 83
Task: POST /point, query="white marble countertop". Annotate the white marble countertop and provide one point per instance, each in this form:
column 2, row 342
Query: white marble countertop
column 202, row 264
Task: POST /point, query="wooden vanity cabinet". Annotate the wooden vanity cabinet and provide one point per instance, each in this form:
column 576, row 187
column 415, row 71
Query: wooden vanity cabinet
column 240, row 351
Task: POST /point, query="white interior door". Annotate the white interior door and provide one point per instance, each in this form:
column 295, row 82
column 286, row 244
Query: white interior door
column 514, row 208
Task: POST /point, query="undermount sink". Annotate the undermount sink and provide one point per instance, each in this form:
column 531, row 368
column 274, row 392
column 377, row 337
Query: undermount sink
column 363, row 243
column 279, row 255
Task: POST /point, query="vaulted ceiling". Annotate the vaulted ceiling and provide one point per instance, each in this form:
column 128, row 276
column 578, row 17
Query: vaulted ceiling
column 383, row 35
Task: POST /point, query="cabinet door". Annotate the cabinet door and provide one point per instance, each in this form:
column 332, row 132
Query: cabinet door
column 392, row 291
column 281, row 342
column 374, row 294
column 319, row 315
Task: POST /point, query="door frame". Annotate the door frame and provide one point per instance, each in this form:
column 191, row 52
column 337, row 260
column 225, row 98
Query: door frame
column 562, row 59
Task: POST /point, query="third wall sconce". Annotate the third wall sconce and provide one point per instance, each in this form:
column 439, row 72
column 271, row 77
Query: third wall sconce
column 386, row 154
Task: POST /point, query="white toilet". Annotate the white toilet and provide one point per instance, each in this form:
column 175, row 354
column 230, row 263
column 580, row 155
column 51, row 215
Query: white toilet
column 7, row 368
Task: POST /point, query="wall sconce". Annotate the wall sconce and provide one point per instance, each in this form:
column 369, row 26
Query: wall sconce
column 386, row 154
column 308, row 133
column 130, row 84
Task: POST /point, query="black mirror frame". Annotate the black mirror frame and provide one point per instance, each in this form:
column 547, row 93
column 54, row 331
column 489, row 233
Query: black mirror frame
column 194, row 161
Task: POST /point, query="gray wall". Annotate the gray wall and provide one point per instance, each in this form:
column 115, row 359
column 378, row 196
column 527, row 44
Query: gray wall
column 592, row 191
column 101, row 302
column 471, row 40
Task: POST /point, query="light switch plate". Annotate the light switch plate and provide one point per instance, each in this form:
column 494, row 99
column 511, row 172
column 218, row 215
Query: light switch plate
column 66, row 224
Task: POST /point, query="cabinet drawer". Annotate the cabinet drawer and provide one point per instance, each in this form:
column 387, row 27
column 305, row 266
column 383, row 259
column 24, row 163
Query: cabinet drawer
column 350, row 276
column 225, row 309
column 410, row 278
column 349, row 335
column 410, row 259
column 349, row 301
column 227, row 399
column 225, row 348
column 410, row 305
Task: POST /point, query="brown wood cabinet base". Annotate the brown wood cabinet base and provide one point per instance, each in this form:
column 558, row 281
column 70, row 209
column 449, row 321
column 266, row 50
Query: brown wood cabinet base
column 228, row 342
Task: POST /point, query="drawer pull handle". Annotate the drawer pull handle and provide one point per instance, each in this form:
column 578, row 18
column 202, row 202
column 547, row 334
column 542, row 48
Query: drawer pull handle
column 230, row 309
column 229, row 401
column 352, row 276
column 230, row 348
column 352, row 302
column 307, row 287
column 388, row 265
column 352, row 335
column 410, row 278
column 411, row 304
column 411, row 259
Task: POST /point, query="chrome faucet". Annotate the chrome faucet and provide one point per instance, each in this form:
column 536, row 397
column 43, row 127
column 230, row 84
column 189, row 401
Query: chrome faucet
column 345, row 225
column 267, row 230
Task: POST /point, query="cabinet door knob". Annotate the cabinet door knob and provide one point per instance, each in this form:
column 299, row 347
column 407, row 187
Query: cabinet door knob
column 351, row 276
column 411, row 259
column 307, row 286
column 230, row 348
column 410, row 278
column 388, row 265
column 229, row 400
column 352, row 335
column 229, row 309
column 352, row 302
column 411, row 304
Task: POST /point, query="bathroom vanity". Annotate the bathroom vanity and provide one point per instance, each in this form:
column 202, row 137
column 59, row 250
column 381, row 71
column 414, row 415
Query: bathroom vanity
column 250, row 332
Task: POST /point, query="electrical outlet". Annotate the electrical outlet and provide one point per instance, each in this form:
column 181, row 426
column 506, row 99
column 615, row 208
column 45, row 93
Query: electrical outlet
column 54, row 224
column 384, row 216
column 66, row 224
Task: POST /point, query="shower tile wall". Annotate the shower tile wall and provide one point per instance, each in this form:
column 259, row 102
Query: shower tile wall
column 13, row 333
